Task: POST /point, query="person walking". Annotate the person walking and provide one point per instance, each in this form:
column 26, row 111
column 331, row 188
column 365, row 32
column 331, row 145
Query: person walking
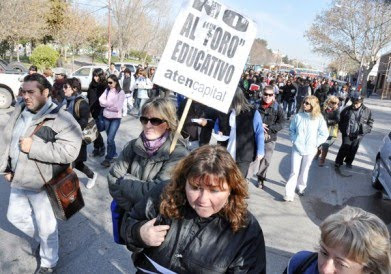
column 143, row 85
column 80, row 110
column 96, row 88
column 303, row 90
column 112, row 102
column 273, row 120
column 243, row 124
column 307, row 131
column 28, row 157
column 331, row 115
column 355, row 122
column 288, row 98
column 127, row 83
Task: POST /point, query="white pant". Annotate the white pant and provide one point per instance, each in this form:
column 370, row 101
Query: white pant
column 128, row 104
column 300, row 166
column 32, row 213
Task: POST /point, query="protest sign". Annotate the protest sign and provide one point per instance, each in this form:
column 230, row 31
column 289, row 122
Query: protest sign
column 206, row 53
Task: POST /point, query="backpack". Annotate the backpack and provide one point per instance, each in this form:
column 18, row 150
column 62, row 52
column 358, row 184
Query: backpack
column 90, row 132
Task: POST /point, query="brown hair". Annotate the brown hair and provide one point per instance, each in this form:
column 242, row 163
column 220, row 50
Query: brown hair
column 363, row 237
column 202, row 164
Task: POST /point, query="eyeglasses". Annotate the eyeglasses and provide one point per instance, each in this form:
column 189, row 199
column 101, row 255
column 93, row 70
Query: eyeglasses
column 110, row 82
column 306, row 103
column 154, row 121
column 268, row 94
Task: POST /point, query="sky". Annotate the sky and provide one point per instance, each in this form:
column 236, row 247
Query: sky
column 281, row 23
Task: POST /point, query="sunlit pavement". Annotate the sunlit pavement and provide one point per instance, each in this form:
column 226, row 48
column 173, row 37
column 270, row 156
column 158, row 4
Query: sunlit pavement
column 86, row 243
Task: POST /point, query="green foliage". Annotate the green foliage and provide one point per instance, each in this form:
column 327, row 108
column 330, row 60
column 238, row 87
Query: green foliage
column 140, row 55
column 44, row 56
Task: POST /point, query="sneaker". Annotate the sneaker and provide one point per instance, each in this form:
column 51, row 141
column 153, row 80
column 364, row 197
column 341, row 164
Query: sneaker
column 288, row 199
column 91, row 182
column 45, row 270
column 106, row 163
column 349, row 166
column 337, row 165
column 260, row 182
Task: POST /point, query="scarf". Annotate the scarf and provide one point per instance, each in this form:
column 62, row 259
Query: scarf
column 266, row 105
column 152, row 146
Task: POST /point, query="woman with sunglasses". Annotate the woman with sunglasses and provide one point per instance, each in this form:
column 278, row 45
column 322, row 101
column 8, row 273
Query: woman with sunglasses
column 331, row 115
column 80, row 110
column 146, row 160
column 308, row 130
column 112, row 102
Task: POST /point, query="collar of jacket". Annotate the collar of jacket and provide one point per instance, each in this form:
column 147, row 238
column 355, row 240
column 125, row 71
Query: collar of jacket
column 162, row 153
column 50, row 114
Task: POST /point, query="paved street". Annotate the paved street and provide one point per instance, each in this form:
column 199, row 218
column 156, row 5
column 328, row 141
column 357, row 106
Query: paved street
column 86, row 244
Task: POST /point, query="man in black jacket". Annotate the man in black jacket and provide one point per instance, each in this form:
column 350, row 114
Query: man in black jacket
column 273, row 120
column 355, row 121
column 288, row 97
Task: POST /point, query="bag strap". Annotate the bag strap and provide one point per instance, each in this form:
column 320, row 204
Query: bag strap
column 77, row 107
column 305, row 264
column 35, row 131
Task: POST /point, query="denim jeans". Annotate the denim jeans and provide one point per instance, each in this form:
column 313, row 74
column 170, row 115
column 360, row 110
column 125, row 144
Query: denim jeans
column 142, row 103
column 288, row 107
column 32, row 213
column 111, row 126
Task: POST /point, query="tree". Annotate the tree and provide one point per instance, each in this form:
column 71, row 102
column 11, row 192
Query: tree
column 56, row 18
column 44, row 56
column 355, row 29
column 135, row 22
column 259, row 53
column 22, row 20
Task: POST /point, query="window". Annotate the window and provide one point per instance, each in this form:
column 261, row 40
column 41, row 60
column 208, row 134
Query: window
column 82, row 72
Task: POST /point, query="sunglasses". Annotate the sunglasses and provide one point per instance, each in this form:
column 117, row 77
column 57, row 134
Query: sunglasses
column 306, row 103
column 333, row 103
column 110, row 82
column 268, row 94
column 154, row 121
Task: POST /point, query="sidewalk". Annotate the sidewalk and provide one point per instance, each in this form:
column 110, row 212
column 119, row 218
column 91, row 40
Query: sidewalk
column 375, row 100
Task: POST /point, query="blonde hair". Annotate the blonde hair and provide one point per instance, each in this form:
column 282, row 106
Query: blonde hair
column 166, row 110
column 364, row 238
column 314, row 102
column 330, row 99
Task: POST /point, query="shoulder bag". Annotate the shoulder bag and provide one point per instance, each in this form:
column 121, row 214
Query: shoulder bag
column 63, row 190
column 90, row 132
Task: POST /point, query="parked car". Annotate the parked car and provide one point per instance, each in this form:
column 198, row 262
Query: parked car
column 9, row 88
column 130, row 66
column 381, row 174
column 14, row 67
column 84, row 74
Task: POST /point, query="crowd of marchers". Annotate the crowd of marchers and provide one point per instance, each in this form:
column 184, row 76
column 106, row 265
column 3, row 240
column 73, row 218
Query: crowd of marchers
column 180, row 206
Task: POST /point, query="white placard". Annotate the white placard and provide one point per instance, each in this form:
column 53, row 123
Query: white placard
column 206, row 53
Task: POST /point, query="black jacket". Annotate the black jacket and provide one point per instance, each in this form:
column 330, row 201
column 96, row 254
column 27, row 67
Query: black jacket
column 194, row 244
column 365, row 120
column 246, row 149
column 82, row 120
column 95, row 90
column 273, row 117
column 332, row 117
column 289, row 93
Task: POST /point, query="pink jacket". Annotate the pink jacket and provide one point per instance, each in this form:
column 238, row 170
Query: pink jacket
column 112, row 102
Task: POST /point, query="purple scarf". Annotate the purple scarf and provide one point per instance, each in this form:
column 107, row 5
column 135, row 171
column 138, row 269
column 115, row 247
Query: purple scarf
column 152, row 146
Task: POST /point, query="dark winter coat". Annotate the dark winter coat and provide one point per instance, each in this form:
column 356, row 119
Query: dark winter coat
column 289, row 93
column 273, row 117
column 194, row 244
column 332, row 117
column 82, row 120
column 95, row 90
column 134, row 174
column 365, row 120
